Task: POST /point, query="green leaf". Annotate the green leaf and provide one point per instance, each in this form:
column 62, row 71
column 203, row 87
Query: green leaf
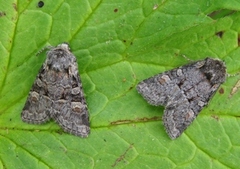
column 118, row 44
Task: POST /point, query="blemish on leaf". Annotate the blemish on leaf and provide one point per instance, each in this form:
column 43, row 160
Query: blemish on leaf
column 40, row 4
column 215, row 117
column 238, row 40
column 130, row 88
column 119, row 159
column 14, row 6
column 60, row 132
column 235, row 89
column 220, row 13
column 2, row 14
column 155, row 6
column 176, row 54
column 64, row 149
column 144, row 119
column 221, row 90
column 116, row 10
column 219, row 34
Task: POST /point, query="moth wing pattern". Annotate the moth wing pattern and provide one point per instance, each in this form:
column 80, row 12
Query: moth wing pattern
column 38, row 105
column 75, row 118
column 60, row 84
column 184, row 92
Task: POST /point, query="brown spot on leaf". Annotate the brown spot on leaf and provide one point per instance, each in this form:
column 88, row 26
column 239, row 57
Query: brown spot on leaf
column 221, row 90
column 2, row 14
column 219, row 34
column 215, row 117
column 130, row 88
column 59, row 131
column 155, row 118
column 238, row 40
column 116, row 10
column 121, row 157
column 14, row 6
column 221, row 13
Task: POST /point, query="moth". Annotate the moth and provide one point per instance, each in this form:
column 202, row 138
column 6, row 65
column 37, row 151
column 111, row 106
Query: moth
column 184, row 91
column 57, row 94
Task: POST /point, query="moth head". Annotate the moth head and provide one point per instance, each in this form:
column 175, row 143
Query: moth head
column 214, row 70
column 60, row 58
column 64, row 46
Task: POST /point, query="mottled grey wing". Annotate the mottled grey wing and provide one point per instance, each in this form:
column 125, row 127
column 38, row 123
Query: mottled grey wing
column 157, row 90
column 196, row 91
column 165, row 89
column 38, row 105
column 184, row 92
column 177, row 117
column 70, row 108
